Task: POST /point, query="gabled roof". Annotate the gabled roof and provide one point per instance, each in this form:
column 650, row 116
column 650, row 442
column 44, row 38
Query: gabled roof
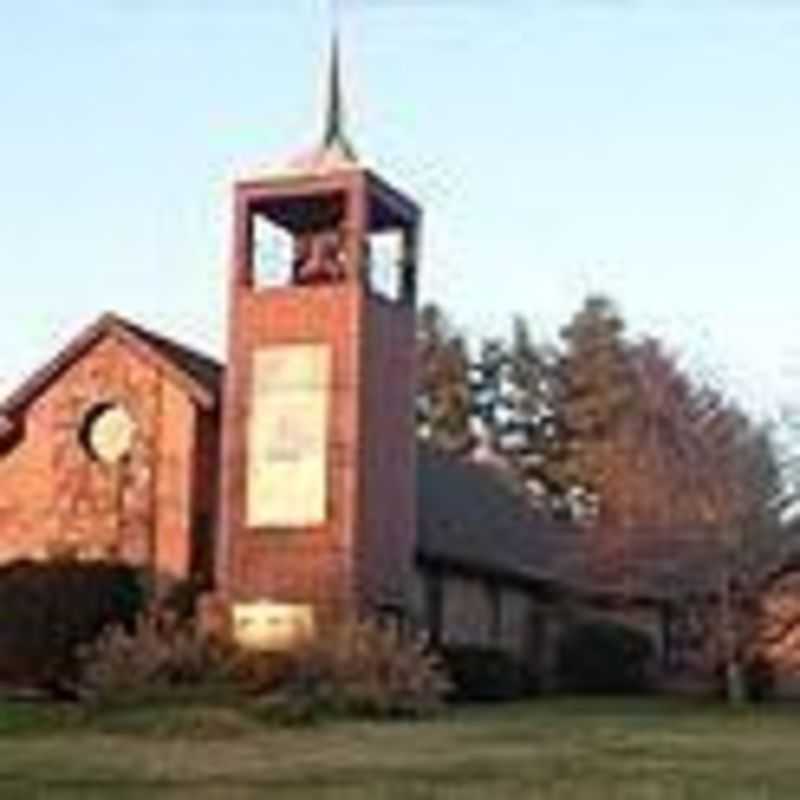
column 206, row 371
column 198, row 374
column 6, row 426
column 8, row 432
column 476, row 518
column 473, row 517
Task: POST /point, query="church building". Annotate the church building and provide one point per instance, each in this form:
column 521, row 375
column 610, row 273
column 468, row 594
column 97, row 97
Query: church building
column 288, row 483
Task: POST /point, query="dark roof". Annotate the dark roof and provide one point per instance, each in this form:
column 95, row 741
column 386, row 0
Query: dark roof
column 201, row 367
column 661, row 565
column 8, row 433
column 197, row 373
column 474, row 517
column 633, row 565
column 6, row 426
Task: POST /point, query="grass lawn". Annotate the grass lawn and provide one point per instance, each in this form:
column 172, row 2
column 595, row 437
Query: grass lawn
column 555, row 749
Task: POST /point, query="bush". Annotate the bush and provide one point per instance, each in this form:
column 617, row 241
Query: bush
column 359, row 669
column 159, row 655
column 260, row 673
column 486, row 674
column 604, row 657
column 48, row 609
column 759, row 679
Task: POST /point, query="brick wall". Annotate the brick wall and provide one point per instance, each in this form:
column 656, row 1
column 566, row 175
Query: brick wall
column 293, row 565
column 388, row 502
column 361, row 556
column 55, row 496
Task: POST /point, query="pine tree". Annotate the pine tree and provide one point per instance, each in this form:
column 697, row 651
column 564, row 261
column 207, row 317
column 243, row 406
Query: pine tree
column 516, row 403
column 444, row 397
column 488, row 375
column 596, row 387
column 536, row 423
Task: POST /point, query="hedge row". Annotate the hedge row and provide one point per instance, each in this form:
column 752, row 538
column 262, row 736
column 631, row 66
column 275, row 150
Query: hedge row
column 47, row 609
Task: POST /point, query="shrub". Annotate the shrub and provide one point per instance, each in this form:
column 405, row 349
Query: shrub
column 261, row 673
column 48, row 609
column 181, row 598
column 604, row 657
column 360, row 669
column 486, row 674
column 759, row 679
column 160, row 654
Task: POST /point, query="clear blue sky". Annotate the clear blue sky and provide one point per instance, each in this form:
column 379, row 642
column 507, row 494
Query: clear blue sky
column 647, row 149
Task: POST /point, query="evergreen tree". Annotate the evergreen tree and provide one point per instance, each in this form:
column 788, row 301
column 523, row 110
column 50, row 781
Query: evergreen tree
column 517, row 405
column 490, row 402
column 536, row 425
column 596, row 387
column 444, row 397
column 648, row 448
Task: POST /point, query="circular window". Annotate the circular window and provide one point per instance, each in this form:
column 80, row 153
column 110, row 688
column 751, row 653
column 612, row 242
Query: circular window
column 107, row 432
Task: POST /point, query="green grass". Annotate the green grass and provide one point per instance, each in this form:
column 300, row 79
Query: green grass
column 554, row 749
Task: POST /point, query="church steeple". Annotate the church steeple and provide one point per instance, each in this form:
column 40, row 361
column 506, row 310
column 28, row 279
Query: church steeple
column 335, row 137
column 318, row 389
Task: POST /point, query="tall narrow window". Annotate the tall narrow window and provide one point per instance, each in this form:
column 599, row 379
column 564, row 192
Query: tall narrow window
column 271, row 255
column 385, row 253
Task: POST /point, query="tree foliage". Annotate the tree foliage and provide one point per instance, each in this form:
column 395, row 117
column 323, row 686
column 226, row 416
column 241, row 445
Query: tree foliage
column 50, row 608
column 596, row 387
column 737, row 536
column 444, row 399
column 516, row 402
column 680, row 490
column 604, row 657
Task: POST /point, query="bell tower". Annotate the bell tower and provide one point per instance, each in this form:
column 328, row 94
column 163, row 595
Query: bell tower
column 318, row 484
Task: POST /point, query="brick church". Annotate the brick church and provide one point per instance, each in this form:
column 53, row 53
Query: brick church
column 287, row 483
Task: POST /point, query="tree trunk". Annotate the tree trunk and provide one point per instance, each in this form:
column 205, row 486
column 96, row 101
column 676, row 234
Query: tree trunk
column 735, row 684
column 734, row 678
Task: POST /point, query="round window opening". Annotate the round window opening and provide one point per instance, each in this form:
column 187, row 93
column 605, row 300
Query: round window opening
column 107, row 432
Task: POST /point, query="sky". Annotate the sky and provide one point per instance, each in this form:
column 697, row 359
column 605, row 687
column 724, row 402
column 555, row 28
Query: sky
column 646, row 149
